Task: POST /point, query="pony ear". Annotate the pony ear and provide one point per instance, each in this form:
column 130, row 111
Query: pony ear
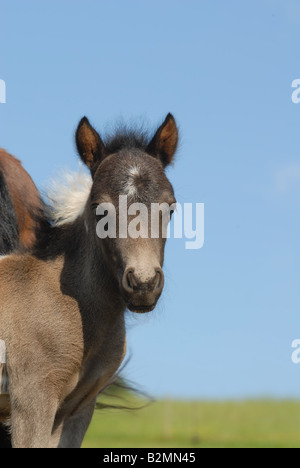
column 164, row 143
column 90, row 147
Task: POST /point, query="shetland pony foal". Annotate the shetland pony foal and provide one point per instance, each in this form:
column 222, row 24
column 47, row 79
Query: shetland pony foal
column 62, row 307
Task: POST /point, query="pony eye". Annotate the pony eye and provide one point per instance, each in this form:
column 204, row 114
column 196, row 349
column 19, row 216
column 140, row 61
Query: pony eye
column 94, row 206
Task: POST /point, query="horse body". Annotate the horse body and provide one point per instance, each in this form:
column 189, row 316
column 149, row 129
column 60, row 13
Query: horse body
column 62, row 305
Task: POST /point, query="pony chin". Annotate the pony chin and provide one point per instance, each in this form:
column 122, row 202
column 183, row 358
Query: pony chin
column 141, row 309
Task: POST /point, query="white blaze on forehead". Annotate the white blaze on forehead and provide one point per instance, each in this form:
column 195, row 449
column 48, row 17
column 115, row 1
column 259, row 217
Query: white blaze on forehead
column 130, row 188
column 134, row 171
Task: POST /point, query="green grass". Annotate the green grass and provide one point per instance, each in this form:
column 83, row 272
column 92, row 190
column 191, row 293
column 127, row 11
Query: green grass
column 170, row 424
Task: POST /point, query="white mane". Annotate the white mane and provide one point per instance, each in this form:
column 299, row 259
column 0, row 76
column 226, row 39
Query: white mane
column 67, row 195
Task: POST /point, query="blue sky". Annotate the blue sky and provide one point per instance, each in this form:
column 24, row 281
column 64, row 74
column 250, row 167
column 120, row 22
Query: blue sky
column 231, row 310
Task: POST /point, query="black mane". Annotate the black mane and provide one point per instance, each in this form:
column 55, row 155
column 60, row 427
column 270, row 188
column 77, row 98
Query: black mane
column 125, row 137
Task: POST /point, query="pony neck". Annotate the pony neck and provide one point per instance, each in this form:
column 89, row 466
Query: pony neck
column 85, row 274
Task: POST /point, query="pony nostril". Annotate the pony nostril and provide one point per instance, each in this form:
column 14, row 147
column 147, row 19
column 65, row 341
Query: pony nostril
column 159, row 280
column 129, row 282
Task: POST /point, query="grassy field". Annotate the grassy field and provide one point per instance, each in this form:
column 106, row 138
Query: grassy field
column 169, row 424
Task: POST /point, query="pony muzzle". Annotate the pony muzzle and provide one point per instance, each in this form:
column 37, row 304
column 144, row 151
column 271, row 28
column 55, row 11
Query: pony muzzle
column 142, row 295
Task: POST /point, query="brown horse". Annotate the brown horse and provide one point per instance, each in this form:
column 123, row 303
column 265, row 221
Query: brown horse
column 19, row 201
column 62, row 306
